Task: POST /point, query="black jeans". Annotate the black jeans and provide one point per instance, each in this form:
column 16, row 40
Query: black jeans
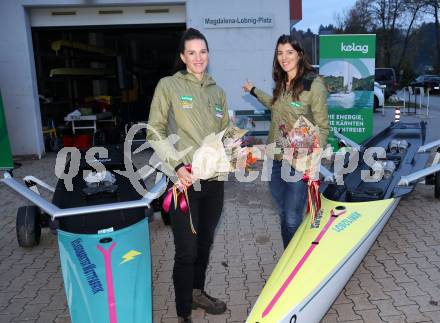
column 192, row 250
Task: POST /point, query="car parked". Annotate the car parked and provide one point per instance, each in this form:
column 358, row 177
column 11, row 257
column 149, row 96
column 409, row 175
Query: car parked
column 386, row 77
column 379, row 99
column 431, row 82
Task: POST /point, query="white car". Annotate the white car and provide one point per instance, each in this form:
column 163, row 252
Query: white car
column 379, row 99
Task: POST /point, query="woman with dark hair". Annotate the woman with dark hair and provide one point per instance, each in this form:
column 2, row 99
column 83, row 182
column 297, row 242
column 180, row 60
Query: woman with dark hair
column 298, row 91
column 190, row 105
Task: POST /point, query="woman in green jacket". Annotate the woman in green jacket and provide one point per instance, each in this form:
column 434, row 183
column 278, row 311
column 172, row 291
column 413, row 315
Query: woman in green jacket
column 190, row 105
column 298, row 91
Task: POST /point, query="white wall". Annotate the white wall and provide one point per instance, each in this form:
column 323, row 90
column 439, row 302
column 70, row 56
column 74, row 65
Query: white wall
column 85, row 16
column 59, row 3
column 240, row 53
column 17, row 81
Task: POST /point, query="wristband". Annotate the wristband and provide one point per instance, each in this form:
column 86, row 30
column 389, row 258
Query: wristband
column 252, row 91
column 179, row 166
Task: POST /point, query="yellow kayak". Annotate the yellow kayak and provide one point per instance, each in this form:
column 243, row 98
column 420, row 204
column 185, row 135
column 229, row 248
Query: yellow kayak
column 322, row 256
column 320, row 260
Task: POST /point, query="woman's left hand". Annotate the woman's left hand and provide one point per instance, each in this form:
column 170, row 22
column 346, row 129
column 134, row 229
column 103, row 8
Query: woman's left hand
column 184, row 176
column 247, row 86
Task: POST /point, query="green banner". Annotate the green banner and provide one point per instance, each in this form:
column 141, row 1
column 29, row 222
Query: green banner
column 5, row 149
column 347, row 63
column 347, row 46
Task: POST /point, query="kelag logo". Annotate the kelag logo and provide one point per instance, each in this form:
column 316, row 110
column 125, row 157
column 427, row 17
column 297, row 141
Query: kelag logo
column 354, row 48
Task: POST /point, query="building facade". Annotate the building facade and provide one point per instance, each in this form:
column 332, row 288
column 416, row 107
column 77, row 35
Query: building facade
column 241, row 36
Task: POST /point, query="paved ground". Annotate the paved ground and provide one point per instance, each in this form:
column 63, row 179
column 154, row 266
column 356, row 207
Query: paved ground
column 398, row 281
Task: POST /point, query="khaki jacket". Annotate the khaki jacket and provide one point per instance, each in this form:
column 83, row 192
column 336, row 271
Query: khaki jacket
column 312, row 104
column 191, row 109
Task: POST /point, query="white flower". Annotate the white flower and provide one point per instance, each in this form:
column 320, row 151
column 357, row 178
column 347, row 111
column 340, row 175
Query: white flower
column 210, row 159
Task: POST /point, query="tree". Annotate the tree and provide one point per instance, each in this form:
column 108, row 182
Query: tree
column 412, row 11
column 400, row 25
column 393, row 21
column 433, row 7
column 359, row 19
column 388, row 14
column 328, row 29
column 423, row 53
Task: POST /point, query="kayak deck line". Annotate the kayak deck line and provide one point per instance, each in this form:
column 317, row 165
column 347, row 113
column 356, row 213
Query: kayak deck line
column 307, row 280
column 386, row 213
column 303, row 259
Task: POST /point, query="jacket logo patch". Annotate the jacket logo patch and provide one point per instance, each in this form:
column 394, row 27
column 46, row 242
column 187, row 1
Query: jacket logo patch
column 296, row 104
column 219, row 111
column 186, row 102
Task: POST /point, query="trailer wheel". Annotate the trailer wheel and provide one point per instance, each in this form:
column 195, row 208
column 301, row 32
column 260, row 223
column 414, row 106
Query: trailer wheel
column 437, row 185
column 27, row 226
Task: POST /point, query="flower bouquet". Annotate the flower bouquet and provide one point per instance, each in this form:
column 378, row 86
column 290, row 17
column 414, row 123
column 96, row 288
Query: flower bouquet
column 217, row 155
column 301, row 148
column 239, row 157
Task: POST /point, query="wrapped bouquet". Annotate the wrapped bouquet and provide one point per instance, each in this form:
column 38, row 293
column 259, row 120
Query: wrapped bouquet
column 239, row 157
column 217, row 155
column 301, row 148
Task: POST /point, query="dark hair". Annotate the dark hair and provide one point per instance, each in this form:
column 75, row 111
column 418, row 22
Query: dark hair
column 189, row 34
column 280, row 76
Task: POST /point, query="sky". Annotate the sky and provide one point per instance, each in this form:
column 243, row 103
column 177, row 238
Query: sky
column 322, row 12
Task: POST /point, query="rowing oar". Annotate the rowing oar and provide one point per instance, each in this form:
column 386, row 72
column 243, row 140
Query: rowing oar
column 298, row 266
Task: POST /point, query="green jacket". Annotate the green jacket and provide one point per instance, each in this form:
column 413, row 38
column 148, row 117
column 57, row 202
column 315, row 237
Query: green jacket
column 312, row 104
column 191, row 109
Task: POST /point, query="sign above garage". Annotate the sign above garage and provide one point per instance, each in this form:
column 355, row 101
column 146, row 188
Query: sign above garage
column 238, row 21
column 101, row 16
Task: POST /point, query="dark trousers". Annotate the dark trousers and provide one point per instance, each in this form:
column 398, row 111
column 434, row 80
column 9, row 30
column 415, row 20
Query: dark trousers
column 192, row 250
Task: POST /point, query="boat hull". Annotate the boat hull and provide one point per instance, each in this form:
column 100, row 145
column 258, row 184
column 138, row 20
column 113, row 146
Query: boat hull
column 309, row 276
column 107, row 277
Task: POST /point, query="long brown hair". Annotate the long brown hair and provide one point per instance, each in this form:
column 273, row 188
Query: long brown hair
column 280, row 76
column 189, row 34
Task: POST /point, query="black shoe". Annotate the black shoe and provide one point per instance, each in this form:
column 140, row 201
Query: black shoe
column 184, row 319
column 210, row 304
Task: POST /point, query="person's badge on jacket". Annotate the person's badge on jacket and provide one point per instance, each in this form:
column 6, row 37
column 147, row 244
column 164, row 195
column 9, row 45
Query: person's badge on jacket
column 296, row 104
column 186, row 101
column 219, row 111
